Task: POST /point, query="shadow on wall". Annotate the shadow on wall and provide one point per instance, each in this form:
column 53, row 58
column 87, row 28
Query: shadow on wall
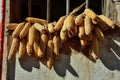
column 63, row 65
column 109, row 55
column 28, row 63
column 110, row 50
column 60, row 66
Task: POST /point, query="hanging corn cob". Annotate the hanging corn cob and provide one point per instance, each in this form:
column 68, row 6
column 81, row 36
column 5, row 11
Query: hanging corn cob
column 24, row 30
column 36, row 20
column 31, row 38
column 50, row 48
column 18, row 29
column 12, row 51
column 12, row 26
column 56, row 42
column 22, row 49
column 59, row 24
column 43, row 44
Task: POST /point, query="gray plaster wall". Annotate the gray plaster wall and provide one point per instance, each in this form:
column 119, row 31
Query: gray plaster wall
column 75, row 66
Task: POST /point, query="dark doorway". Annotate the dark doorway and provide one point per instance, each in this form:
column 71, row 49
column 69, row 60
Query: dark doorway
column 19, row 8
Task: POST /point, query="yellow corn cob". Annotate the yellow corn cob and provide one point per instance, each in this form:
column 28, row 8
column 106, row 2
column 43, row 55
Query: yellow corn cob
column 18, row 30
column 69, row 22
column 31, row 35
column 94, row 49
column 63, row 33
column 56, row 42
column 40, row 54
column 79, row 19
column 31, row 38
column 83, row 41
column 99, row 33
column 109, row 22
column 92, row 54
column 63, row 36
column 36, row 47
column 29, row 49
column 87, row 25
column 25, row 30
column 102, row 25
column 43, row 43
column 39, row 27
column 90, row 36
column 50, row 48
column 36, row 20
column 90, row 13
column 51, row 28
column 12, row 26
column 93, row 21
column 12, row 51
column 22, row 49
column 59, row 24
column 81, row 30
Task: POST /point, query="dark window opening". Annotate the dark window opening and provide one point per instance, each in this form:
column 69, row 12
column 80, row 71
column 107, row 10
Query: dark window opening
column 19, row 8
column 96, row 5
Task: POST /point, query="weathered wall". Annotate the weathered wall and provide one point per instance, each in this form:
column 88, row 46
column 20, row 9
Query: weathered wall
column 75, row 66
column 70, row 67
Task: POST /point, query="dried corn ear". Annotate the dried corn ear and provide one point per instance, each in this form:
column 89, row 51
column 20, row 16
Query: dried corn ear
column 56, row 42
column 51, row 28
column 81, row 30
column 18, row 29
column 39, row 27
column 59, row 24
column 50, row 48
column 29, row 49
column 12, row 51
column 92, row 54
column 22, row 49
column 31, row 35
column 36, row 46
column 43, row 43
column 12, row 26
column 83, row 41
column 87, row 25
column 93, row 21
column 94, row 48
column 90, row 13
column 90, row 36
column 109, row 22
column 25, row 30
column 63, row 33
column 69, row 22
column 102, row 25
column 79, row 19
column 36, row 20
column 99, row 33
column 31, row 39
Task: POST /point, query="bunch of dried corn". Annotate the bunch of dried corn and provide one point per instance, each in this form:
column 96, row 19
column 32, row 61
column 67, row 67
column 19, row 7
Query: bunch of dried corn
column 32, row 38
column 42, row 40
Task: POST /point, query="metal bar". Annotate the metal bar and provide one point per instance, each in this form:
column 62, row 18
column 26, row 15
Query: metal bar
column 87, row 4
column 48, row 10
column 29, row 7
column 67, row 7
